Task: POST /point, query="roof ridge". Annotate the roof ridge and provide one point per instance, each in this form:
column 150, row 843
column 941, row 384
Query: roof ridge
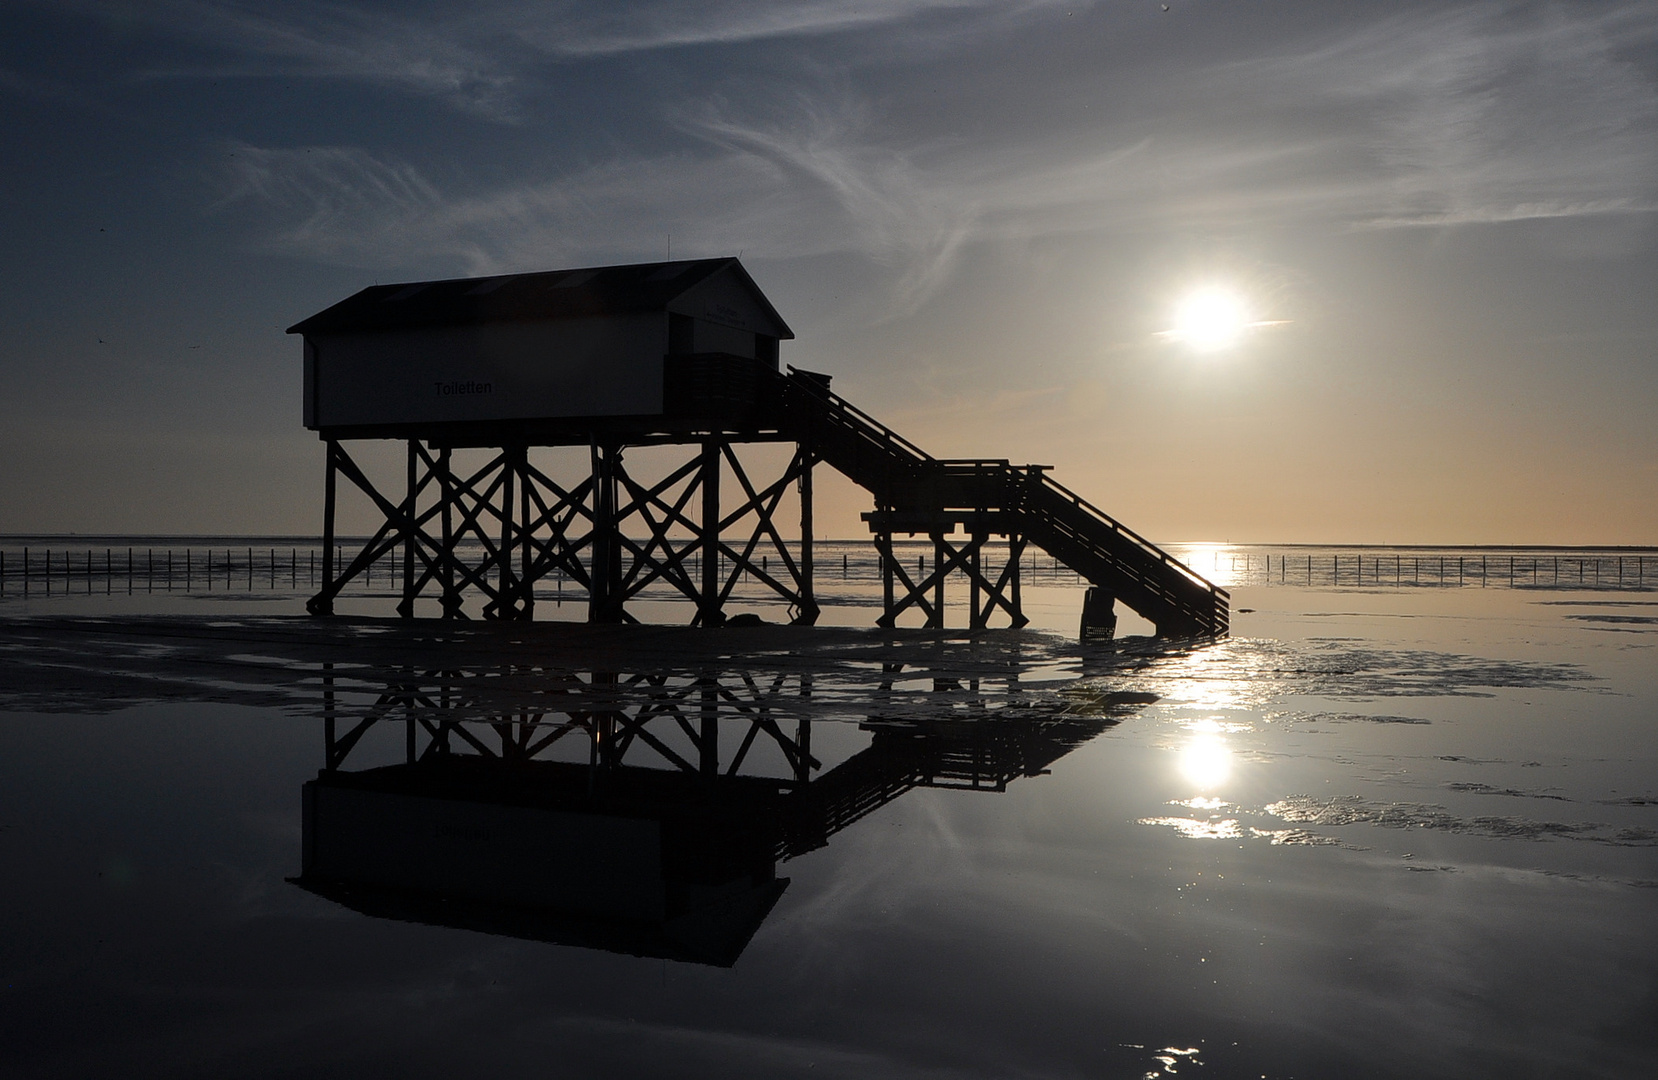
column 570, row 292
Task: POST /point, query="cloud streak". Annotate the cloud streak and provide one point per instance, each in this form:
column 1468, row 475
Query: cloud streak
column 773, row 191
column 577, row 29
column 1481, row 114
column 481, row 59
column 1433, row 119
column 440, row 57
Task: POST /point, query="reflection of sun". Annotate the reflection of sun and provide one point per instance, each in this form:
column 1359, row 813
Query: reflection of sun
column 1204, row 558
column 1205, row 761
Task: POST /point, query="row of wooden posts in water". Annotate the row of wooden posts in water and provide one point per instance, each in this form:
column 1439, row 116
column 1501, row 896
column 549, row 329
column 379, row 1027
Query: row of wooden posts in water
column 154, row 571
column 169, row 569
column 151, row 571
column 1515, row 571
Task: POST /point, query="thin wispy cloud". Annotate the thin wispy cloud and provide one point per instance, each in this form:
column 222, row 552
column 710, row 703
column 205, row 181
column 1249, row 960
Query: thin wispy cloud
column 348, row 206
column 889, row 207
column 328, row 199
column 1474, row 115
column 41, row 88
column 482, row 58
column 770, row 191
column 418, row 51
column 1429, row 119
column 579, row 29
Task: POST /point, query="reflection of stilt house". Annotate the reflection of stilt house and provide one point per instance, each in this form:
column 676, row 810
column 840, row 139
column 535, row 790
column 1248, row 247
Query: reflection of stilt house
column 665, row 841
column 664, row 354
column 654, row 867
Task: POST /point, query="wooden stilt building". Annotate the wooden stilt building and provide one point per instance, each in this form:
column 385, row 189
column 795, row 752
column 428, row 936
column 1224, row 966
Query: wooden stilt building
column 674, row 354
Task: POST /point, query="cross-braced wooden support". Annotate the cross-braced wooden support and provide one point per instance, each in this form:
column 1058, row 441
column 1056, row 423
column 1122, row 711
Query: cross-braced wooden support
column 662, row 722
column 504, row 527
column 989, row 586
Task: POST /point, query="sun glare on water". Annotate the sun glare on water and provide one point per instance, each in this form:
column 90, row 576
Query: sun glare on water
column 1206, row 761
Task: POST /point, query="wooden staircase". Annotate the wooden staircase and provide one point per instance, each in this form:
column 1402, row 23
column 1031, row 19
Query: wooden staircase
column 916, row 492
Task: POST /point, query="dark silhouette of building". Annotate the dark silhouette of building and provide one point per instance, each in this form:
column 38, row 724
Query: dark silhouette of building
column 666, row 354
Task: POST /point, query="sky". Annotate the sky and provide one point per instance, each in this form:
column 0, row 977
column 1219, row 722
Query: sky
column 981, row 218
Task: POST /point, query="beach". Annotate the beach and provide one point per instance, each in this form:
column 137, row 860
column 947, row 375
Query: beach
column 1378, row 830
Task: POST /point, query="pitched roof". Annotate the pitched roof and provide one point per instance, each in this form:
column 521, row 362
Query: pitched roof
column 551, row 294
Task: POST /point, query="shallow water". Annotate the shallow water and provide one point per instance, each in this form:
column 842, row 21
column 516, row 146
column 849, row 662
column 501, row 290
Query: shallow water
column 1382, row 830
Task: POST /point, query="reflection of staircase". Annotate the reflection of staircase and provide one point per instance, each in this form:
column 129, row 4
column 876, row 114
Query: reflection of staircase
column 916, row 491
column 979, row 755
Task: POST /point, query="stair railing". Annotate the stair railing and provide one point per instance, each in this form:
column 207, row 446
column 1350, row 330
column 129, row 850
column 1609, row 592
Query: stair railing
column 799, row 380
column 850, row 416
column 1123, row 530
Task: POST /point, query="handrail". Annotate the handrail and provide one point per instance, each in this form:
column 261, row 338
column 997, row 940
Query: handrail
column 1119, row 527
column 973, row 466
column 849, row 417
column 841, row 403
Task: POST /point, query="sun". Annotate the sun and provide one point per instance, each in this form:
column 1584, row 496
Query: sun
column 1210, row 319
